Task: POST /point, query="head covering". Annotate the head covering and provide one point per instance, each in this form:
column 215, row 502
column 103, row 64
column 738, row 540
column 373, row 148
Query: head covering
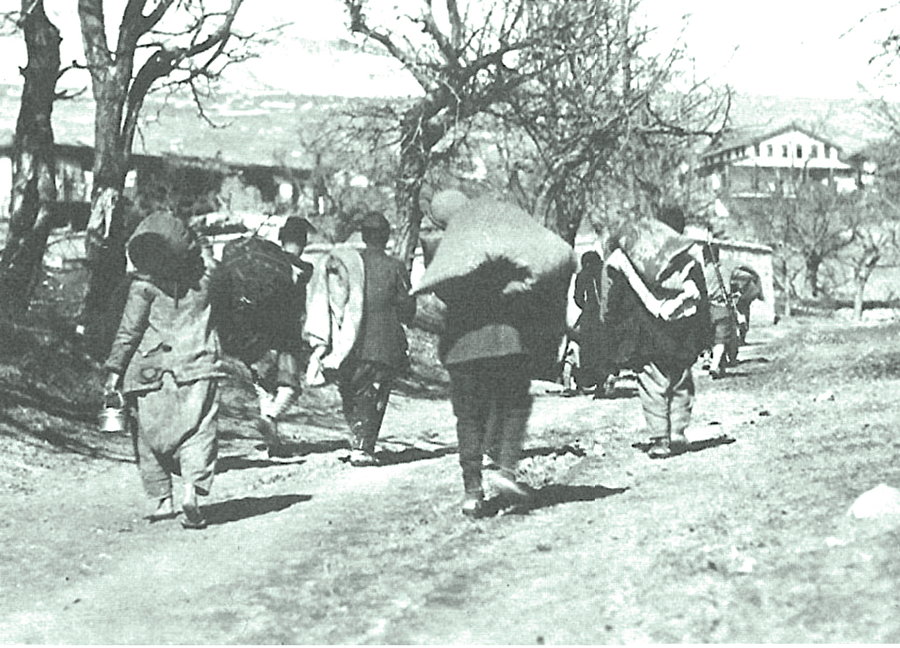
column 375, row 222
column 161, row 244
column 295, row 229
column 446, row 203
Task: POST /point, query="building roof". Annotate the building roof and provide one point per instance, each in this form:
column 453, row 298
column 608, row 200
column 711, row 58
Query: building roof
column 748, row 136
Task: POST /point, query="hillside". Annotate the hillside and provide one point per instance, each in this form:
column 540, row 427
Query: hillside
column 255, row 123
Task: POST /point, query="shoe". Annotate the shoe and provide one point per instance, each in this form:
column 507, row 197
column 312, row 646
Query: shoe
column 659, row 448
column 473, row 506
column 717, row 373
column 193, row 518
column 361, row 458
column 505, row 483
column 678, row 444
column 164, row 510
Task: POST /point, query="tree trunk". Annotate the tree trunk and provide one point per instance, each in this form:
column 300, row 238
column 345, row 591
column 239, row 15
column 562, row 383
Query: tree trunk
column 417, row 139
column 105, row 236
column 34, row 165
column 813, row 262
column 860, row 278
column 788, row 306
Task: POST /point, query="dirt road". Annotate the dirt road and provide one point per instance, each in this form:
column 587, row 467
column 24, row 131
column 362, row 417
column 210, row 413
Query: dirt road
column 736, row 542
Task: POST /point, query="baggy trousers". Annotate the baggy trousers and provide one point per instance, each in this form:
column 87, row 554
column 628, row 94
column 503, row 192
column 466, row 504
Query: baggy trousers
column 365, row 388
column 492, row 405
column 667, row 398
column 176, row 434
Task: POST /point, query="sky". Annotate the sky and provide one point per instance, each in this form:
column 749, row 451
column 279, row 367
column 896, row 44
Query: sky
column 800, row 48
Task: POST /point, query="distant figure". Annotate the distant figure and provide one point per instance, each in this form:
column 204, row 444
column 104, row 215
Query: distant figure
column 746, row 287
column 658, row 319
column 721, row 316
column 594, row 368
column 165, row 359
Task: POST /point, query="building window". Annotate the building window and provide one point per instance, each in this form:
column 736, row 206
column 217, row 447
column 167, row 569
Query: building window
column 770, row 150
column 756, row 150
column 799, row 151
column 784, row 150
column 814, row 151
column 827, row 152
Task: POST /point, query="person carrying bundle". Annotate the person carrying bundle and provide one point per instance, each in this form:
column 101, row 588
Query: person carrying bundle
column 358, row 306
column 656, row 310
column 260, row 294
column 504, row 280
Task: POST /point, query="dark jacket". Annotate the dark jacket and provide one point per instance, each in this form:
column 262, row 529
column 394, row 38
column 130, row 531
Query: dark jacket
column 387, row 305
column 482, row 322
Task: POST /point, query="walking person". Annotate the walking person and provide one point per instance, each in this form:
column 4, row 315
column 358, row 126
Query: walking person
column 658, row 317
column 491, row 338
column 379, row 354
column 594, row 368
column 277, row 373
column 165, row 360
column 721, row 315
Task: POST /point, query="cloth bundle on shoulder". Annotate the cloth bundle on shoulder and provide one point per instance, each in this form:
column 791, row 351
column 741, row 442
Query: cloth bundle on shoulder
column 334, row 311
column 497, row 239
column 745, row 283
column 256, row 303
column 654, row 249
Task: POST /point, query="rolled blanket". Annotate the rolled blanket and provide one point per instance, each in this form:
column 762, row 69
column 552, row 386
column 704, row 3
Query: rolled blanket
column 500, row 240
column 654, row 249
column 334, row 307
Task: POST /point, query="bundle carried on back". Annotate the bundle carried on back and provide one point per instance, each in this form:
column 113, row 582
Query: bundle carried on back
column 658, row 264
column 497, row 248
column 654, row 249
column 258, row 305
column 497, row 239
column 335, row 311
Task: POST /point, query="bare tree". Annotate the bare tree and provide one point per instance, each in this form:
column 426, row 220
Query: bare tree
column 569, row 76
column 161, row 43
column 34, row 166
column 463, row 68
column 598, row 145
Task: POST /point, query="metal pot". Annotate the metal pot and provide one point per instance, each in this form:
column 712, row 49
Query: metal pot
column 113, row 417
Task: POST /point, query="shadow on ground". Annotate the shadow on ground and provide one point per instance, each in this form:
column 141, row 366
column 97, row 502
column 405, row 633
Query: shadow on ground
column 694, row 446
column 248, row 507
column 551, row 495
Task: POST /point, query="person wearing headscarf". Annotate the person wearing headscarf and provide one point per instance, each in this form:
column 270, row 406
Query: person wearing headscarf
column 165, row 360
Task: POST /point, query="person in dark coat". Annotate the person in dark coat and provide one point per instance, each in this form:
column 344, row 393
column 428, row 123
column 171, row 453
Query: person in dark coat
column 487, row 345
column 379, row 355
column 165, row 360
column 277, row 374
column 659, row 345
column 594, row 368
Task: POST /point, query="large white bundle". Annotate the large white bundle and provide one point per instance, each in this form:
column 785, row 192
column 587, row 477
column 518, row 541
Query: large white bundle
column 498, row 239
